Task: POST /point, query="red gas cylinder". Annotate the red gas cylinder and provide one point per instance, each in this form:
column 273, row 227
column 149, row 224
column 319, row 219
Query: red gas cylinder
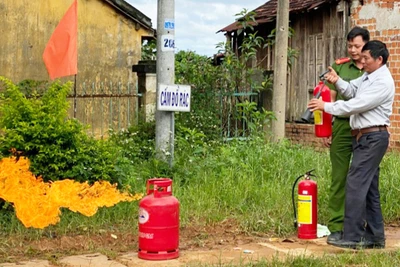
column 159, row 222
column 322, row 120
column 307, row 209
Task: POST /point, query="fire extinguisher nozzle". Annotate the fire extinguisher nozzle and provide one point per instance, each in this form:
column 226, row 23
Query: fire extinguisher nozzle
column 306, row 117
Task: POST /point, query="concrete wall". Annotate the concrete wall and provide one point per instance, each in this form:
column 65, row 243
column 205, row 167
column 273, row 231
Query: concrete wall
column 108, row 42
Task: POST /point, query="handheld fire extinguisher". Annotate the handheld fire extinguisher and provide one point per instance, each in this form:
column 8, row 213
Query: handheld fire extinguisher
column 322, row 120
column 305, row 219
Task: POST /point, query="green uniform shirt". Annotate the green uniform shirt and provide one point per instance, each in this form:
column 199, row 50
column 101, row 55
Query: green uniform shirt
column 347, row 71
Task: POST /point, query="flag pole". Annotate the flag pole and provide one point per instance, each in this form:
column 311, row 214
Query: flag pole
column 75, row 97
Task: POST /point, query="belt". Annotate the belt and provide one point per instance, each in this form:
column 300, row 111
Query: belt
column 342, row 118
column 359, row 132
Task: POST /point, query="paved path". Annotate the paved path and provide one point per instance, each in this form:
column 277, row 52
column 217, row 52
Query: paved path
column 251, row 252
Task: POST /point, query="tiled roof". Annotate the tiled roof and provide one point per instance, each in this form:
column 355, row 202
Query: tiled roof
column 267, row 12
column 131, row 12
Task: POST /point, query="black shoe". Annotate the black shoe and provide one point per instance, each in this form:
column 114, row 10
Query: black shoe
column 358, row 245
column 335, row 236
column 374, row 244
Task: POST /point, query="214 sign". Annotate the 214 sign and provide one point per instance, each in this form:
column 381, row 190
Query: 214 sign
column 168, row 42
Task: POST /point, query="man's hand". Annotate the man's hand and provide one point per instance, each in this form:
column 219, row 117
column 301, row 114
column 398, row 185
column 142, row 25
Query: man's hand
column 327, row 141
column 316, row 104
column 331, row 76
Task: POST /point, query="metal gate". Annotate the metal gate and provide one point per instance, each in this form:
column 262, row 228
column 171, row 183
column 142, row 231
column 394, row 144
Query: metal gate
column 105, row 106
column 233, row 125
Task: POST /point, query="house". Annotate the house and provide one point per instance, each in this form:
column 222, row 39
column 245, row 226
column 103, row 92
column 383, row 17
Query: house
column 110, row 36
column 320, row 29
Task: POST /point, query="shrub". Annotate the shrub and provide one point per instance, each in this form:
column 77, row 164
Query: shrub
column 38, row 128
column 137, row 142
column 202, row 76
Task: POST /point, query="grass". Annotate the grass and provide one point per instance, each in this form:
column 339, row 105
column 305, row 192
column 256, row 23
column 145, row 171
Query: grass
column 248, row 182
column 251, row 182
column 381, row 259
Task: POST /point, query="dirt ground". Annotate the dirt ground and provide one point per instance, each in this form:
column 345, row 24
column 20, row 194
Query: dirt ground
column 113, row 243
column 212, row 245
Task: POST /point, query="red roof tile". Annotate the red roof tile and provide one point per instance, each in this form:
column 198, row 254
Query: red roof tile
column 267, row 12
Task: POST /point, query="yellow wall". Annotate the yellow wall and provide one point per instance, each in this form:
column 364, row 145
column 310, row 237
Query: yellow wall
column 108, row 43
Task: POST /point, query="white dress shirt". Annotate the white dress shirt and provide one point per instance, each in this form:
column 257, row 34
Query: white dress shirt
column 370, row 99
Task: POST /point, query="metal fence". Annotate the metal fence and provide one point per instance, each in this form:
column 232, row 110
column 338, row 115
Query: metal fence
column 113, row 105
column 104, row 106
column 232, row 123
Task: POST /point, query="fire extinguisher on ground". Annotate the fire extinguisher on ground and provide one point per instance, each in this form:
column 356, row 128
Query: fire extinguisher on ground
column 305, row 219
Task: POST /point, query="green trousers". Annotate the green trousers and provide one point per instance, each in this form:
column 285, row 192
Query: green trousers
column 340, row 154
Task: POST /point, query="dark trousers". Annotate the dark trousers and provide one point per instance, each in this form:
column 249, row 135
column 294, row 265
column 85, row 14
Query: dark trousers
column 363, row 216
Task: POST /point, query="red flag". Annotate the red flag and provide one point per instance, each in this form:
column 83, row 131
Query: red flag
column 61, row 53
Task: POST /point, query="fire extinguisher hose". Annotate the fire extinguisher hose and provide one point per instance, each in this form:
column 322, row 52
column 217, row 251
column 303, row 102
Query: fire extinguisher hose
column 293, row 201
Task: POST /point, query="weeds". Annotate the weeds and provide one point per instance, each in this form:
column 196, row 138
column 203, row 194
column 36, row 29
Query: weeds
column 249, row 182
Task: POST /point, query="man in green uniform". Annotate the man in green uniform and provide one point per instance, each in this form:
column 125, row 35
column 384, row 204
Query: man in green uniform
column 341, row 141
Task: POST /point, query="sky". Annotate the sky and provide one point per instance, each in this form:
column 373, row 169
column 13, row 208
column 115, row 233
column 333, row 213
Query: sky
column 197, row 21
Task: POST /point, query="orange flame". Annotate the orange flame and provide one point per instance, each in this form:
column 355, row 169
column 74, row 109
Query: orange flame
column 37, row 204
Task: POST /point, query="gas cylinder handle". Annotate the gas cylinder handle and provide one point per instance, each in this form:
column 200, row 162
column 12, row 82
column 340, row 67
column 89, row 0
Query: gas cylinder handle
column 156, row 182
column 159, row 187
column 163, row 188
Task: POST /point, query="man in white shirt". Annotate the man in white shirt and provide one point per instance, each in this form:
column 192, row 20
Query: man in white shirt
column 369, row 105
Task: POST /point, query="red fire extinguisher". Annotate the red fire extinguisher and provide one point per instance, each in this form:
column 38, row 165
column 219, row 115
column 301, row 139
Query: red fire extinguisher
column 322, row 120
column 159, row 222
column 305, row 219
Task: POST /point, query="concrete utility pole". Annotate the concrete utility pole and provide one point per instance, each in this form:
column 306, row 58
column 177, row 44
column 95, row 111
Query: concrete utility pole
column 165, row 75
column 280, row 70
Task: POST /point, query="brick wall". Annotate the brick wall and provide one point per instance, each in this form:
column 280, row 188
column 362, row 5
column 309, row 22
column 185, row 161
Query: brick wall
column 382, row 18
column 303, row 134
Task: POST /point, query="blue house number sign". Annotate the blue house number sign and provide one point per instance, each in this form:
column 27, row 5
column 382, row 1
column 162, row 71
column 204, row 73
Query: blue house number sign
column 168, row 42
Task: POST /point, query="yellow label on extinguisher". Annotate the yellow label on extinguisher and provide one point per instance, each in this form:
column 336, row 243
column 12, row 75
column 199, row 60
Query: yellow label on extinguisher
column 318, row 118
column 304, row 209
